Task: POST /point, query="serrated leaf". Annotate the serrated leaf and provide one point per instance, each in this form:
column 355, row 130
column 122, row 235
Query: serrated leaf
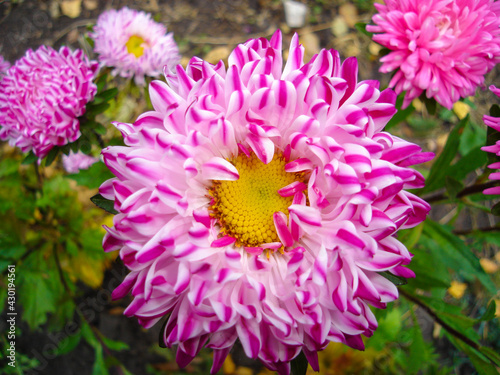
column 441, row 165
column 418, row 353
column 481, row 364
column 30, row 158
column 106, row 204
column 299, row 364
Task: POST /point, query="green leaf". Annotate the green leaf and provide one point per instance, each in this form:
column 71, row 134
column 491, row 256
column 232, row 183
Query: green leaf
column 495, row 210
column 99, row 367
column 109, row 94
column 418, row 352
column 482, row 365
column 489, row 314
column 101, row 82
column 473, row 136
column 430, row 104
column 396, row 280
column 51, row 156
column 453, row 186
column 95, row 109
column 69, row 343
column 39, row 290
column 106, row 204
column 441, row 165
column 92, row 177
column 457, row 254
column 401, row 114
column 114, row 344
column 30, row 158
column 299, row 365
column 361, row 27
column 389, row 327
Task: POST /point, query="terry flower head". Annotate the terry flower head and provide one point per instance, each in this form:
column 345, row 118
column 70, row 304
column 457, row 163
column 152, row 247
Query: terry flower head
column 260, row 202
column 440, row 47
column 494, row 123
column 74, row 162
column 133, row 44
column 41, row 97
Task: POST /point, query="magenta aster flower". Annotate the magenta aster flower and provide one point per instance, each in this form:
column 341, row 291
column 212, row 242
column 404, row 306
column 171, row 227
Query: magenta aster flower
column 442, row 47
column 261, row 202
column 41, row 97
column 132, row 43
column 74, row 162
column 4, row 66
column 494, row 123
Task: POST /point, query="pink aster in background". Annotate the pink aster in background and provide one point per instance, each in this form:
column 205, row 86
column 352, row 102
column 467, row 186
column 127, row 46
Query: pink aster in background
column 74, row 162
column 494, row 123
column 260, row 202
column 133, row 44
column 440, row 47
column 4, row 66
column 41, row 97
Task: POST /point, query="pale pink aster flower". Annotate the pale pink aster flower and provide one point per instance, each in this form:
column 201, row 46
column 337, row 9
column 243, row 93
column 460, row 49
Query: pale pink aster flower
column 442, row 47
column 74, row 162
column 494, row 123
column 4, row 66
column 41, row 97
column 135, row 45
column 260, row 203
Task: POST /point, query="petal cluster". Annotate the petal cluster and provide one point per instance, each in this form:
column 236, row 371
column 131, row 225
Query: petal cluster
column 440, row 47
column 315, row 284
column 115, row 34
column 494, row 123
column 75, row 162
column 41, row 97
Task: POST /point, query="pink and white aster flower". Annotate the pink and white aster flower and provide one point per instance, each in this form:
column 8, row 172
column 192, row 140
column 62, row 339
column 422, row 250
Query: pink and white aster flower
column 4, row 66
column 442, row 47
column 41, row 97
column 74, row 162
column 133, row 44
column 260, row 202
column 494, row 123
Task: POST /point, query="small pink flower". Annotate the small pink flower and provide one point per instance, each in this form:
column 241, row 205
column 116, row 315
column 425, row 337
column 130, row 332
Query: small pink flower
column 494, row 123
column 73, row 163
column 133, row 44
column 4, row 66
column 41, row 97
column 442, row 47
column 261, row 202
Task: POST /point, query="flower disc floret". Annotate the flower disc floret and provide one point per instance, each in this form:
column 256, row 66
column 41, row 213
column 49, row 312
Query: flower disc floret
column 41, row 97
column 245, row 208
column 133, row 44
column 440, row 47
column 293, row 150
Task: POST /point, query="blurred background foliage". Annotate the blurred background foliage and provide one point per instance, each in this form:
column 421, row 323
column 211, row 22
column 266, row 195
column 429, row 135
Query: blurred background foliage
column 447, row 319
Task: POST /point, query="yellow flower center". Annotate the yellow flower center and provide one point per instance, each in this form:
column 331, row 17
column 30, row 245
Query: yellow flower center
column 135, row 45
column 245, row 207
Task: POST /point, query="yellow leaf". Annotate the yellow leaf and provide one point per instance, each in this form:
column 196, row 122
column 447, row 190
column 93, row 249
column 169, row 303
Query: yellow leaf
column 457, row 289
column 488, row 265
column 71, row 8
column 497, row 311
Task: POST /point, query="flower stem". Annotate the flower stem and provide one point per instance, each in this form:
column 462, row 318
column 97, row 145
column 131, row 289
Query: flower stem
column 466, row 191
